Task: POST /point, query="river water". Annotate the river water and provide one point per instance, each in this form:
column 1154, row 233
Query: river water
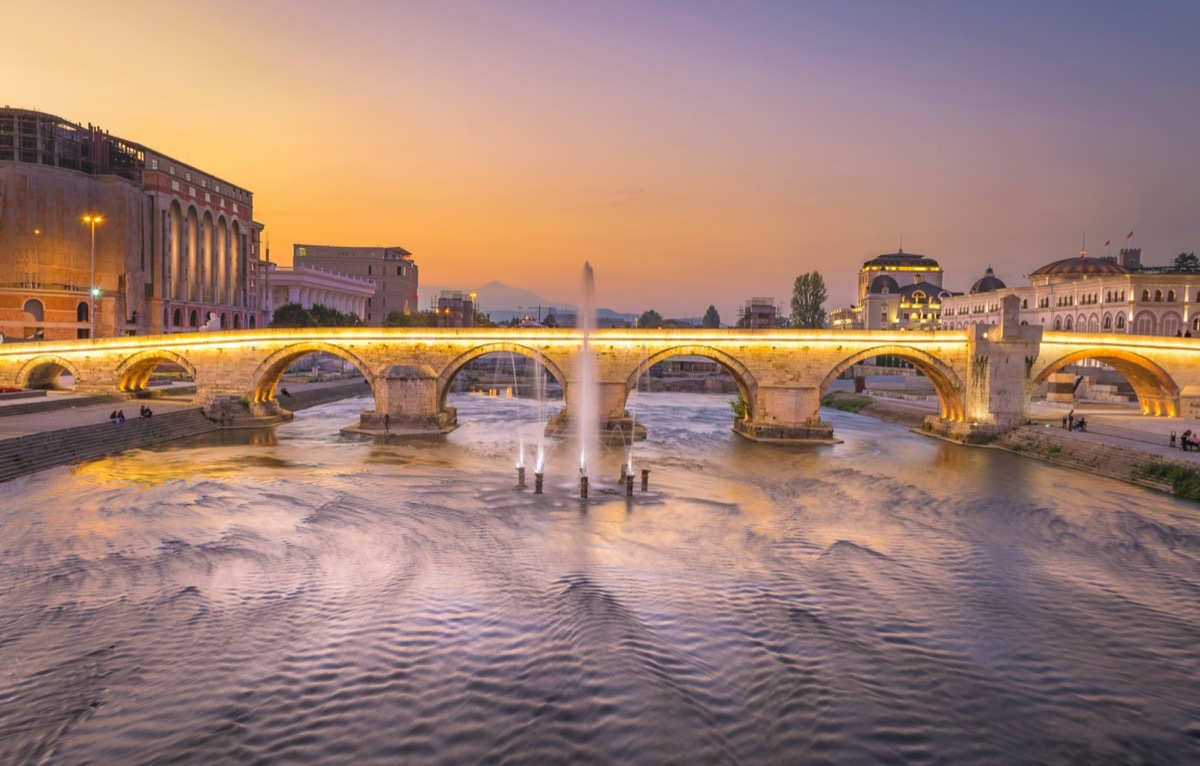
column 307, row 597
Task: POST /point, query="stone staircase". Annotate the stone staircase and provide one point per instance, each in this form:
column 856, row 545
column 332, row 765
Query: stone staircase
column 34, row 452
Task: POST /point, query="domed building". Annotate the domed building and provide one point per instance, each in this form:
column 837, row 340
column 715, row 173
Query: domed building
column 1088, row 294
column 896, row 291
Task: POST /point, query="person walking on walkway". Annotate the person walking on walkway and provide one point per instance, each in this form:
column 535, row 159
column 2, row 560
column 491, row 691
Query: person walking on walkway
column 1071, row 420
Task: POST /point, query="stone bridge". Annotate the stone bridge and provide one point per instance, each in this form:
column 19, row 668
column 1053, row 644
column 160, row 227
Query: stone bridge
column 984, row 376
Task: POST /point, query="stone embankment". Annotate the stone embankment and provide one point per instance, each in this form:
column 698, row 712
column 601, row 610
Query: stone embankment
column 76, row 428
column 1103, row 457
column 1112, row 451
column 34, row 452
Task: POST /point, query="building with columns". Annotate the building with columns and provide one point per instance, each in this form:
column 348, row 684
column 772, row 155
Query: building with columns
column 310, row 286
column 390, row 268
column 167, row 248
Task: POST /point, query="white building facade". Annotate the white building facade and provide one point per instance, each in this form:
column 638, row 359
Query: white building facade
column 310, row 286
column 1095, row 295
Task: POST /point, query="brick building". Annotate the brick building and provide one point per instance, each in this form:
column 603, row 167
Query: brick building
column 175, row 248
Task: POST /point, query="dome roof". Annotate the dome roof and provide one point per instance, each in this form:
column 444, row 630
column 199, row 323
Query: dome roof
column 883, row 284
column 1081, row 266
column 901, row 258
column 987, row 283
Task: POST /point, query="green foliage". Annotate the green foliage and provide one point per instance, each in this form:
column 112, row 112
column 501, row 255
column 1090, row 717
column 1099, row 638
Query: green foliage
column 484, row 320
column 741, row 410
column 290, row 315
column 1184, row 481
column 808, row 301
column 295, row 315
column 415, row 319
column 711, row 318
column 845, row 403
column 1187, row 262
column 1054, row 449
column 650, row 318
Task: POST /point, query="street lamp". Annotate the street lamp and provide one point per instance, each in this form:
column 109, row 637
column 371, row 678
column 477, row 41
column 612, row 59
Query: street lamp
column 92, row 219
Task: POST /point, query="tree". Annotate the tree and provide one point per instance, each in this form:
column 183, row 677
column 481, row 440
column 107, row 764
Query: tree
column 650, row 318
column 415, row 319
column 711, row 318
column 291, row 315
column 808, row 301
column 551, row 320
column 1187, row 262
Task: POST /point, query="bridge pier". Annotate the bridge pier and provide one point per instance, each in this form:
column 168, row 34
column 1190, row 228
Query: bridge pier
column 787, row 415
column 407, row 396
column 615, row 423
column 237, row 409
column 1000, row 361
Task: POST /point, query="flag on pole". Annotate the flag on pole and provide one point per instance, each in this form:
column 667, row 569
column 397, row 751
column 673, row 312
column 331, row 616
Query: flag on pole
column 1129, row 235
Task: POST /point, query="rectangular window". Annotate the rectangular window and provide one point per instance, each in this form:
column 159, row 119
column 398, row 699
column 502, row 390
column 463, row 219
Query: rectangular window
column 187, row 177
column 154, row 164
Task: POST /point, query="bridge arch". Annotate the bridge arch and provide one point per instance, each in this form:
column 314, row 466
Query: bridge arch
column 451, row 370
column 1157, row 391
column 43, row 372
column 946, row 382
column 746, row 383
column 267, row 375
column 134, row 373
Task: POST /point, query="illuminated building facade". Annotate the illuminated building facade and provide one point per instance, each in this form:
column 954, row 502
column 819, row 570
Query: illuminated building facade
column 896, row 291
column 390, row 268
column 173, row 248
column 1087, row 294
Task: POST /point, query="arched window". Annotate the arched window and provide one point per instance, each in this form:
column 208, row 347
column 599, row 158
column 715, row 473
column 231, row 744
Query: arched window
column 177, row 318
column 81, row 312
column 1107, row 322
column 34, row 311
column 1145, row 296
column 237, row 321
column 1170, row 296
column 194, row 319
column 224, row 320
column 1196, row 323
column 253, row 322
column 1120, row 321
column 1024, row 303
column 1067, row 326
column 1057, row 323
column 1158, row 296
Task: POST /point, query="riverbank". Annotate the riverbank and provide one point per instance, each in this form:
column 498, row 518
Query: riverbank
column 1120, row 443
column 65, row 428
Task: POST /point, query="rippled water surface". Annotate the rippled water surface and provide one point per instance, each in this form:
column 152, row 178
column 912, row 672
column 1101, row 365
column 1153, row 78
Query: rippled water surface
column 307, row 597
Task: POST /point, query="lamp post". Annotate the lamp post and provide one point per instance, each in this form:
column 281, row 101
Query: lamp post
column 92, row 220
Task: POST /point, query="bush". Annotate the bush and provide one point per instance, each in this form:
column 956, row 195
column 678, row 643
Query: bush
column 1184, row 481
column 846, row 403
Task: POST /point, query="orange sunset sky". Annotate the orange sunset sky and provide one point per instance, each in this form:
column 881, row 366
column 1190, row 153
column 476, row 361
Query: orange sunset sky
column 694, row 152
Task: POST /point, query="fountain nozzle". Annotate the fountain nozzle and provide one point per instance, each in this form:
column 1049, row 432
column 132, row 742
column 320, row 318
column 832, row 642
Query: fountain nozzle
column 521, row 477
column 583, row 487
column 537, row 483
column 629, row 485
column 645, row 479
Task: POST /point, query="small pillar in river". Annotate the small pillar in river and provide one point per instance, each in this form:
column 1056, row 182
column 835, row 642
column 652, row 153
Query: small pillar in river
column 537, row 483
column 645, row 479
column 521, row 477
